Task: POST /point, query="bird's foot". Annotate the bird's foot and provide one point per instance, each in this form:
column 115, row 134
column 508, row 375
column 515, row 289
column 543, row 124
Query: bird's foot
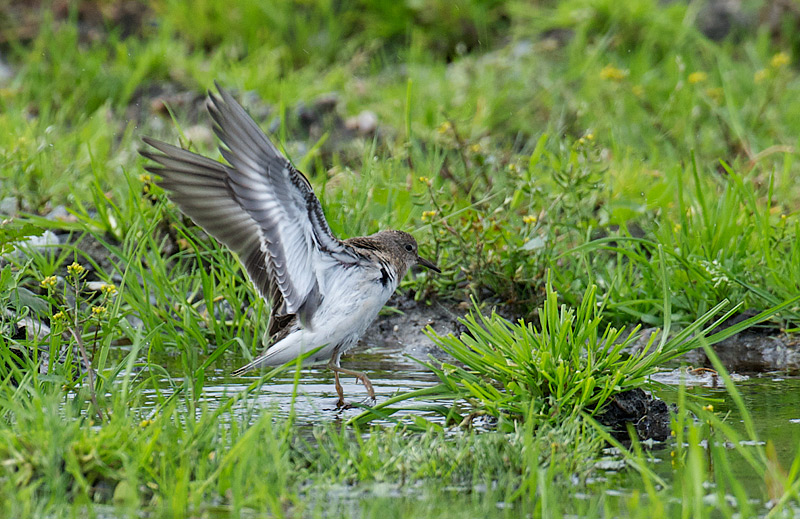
column 341, row 405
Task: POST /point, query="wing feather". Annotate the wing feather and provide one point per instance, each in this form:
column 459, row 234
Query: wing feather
column 280, row 199
column 259, row 206
column 198, row 186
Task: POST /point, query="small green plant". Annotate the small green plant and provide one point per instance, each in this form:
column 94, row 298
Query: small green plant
column 80, row 317
column 13, row 233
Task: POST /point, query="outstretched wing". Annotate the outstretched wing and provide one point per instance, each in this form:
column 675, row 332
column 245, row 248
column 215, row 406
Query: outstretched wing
column 260, row 206
column 198, row 186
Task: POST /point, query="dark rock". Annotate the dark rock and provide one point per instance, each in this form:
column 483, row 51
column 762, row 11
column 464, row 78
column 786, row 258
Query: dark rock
column 649, row 416
column 718, row 18
column 764, row 328
column 752, row 351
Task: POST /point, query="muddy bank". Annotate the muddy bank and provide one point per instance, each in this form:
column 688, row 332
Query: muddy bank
column 405, row 320
column 753, row 352
column 756, row 350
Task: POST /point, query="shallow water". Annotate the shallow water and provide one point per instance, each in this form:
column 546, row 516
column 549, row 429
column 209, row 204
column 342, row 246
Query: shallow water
column 773, row 404
column 772, row 400
column 384, row 362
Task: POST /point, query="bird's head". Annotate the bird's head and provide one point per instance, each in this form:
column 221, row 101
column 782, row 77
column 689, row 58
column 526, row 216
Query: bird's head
column 403, row 247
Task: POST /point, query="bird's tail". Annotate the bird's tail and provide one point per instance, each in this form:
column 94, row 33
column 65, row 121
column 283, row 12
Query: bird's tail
column 256, row 363
column 283, row 354
column 276, row 355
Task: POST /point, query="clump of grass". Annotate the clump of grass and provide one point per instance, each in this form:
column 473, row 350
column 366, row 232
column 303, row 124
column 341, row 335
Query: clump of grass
column 570, row 364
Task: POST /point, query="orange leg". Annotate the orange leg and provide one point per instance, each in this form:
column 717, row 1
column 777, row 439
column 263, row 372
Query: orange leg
column 359, row 375
column 339, row 390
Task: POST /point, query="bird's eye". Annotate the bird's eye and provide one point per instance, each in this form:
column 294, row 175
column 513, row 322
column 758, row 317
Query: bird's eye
column 409, row 247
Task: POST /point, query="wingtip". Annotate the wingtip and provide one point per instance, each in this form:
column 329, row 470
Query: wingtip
column 148, row 152
column 215, row 103
column 244, row 369
column 149, row 141
column 212, row 95
column 161, row 146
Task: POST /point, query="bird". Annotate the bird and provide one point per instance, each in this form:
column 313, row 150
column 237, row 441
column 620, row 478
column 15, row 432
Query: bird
column 323, row 292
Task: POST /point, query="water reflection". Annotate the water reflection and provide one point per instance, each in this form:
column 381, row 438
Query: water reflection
column 385, row 364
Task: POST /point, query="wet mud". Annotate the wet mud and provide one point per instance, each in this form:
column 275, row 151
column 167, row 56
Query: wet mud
column 760, row 349
column 405, row 322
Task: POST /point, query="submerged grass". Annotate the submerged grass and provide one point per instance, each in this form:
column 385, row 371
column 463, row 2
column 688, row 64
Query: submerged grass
column 648, row 168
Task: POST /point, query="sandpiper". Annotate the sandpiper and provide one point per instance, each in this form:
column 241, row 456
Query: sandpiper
column 323, row 292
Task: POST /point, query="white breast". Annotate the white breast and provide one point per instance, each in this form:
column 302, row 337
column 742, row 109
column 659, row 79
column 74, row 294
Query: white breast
column 352, row 299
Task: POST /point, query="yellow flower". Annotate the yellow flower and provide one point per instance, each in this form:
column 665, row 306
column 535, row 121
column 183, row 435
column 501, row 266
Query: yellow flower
column 513, row 168
column 145, row 178
column 445, row 127
column 475, row 148
column 145, row 423
column 610, row 72
column 760, row 75
column 697, row 77
column 779, row 60
column 76, row 269
column 109, row 289
column 58, row 316
column 708, row 407
column 590, row 136
column 98, row 310
column 428, row 215
column 529, row 218
column 49, row 282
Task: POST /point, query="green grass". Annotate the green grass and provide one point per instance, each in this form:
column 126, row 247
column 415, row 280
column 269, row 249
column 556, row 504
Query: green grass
column 650, row 170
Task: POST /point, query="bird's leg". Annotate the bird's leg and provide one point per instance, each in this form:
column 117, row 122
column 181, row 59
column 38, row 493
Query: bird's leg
column 359, row 375
column 339, row 390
